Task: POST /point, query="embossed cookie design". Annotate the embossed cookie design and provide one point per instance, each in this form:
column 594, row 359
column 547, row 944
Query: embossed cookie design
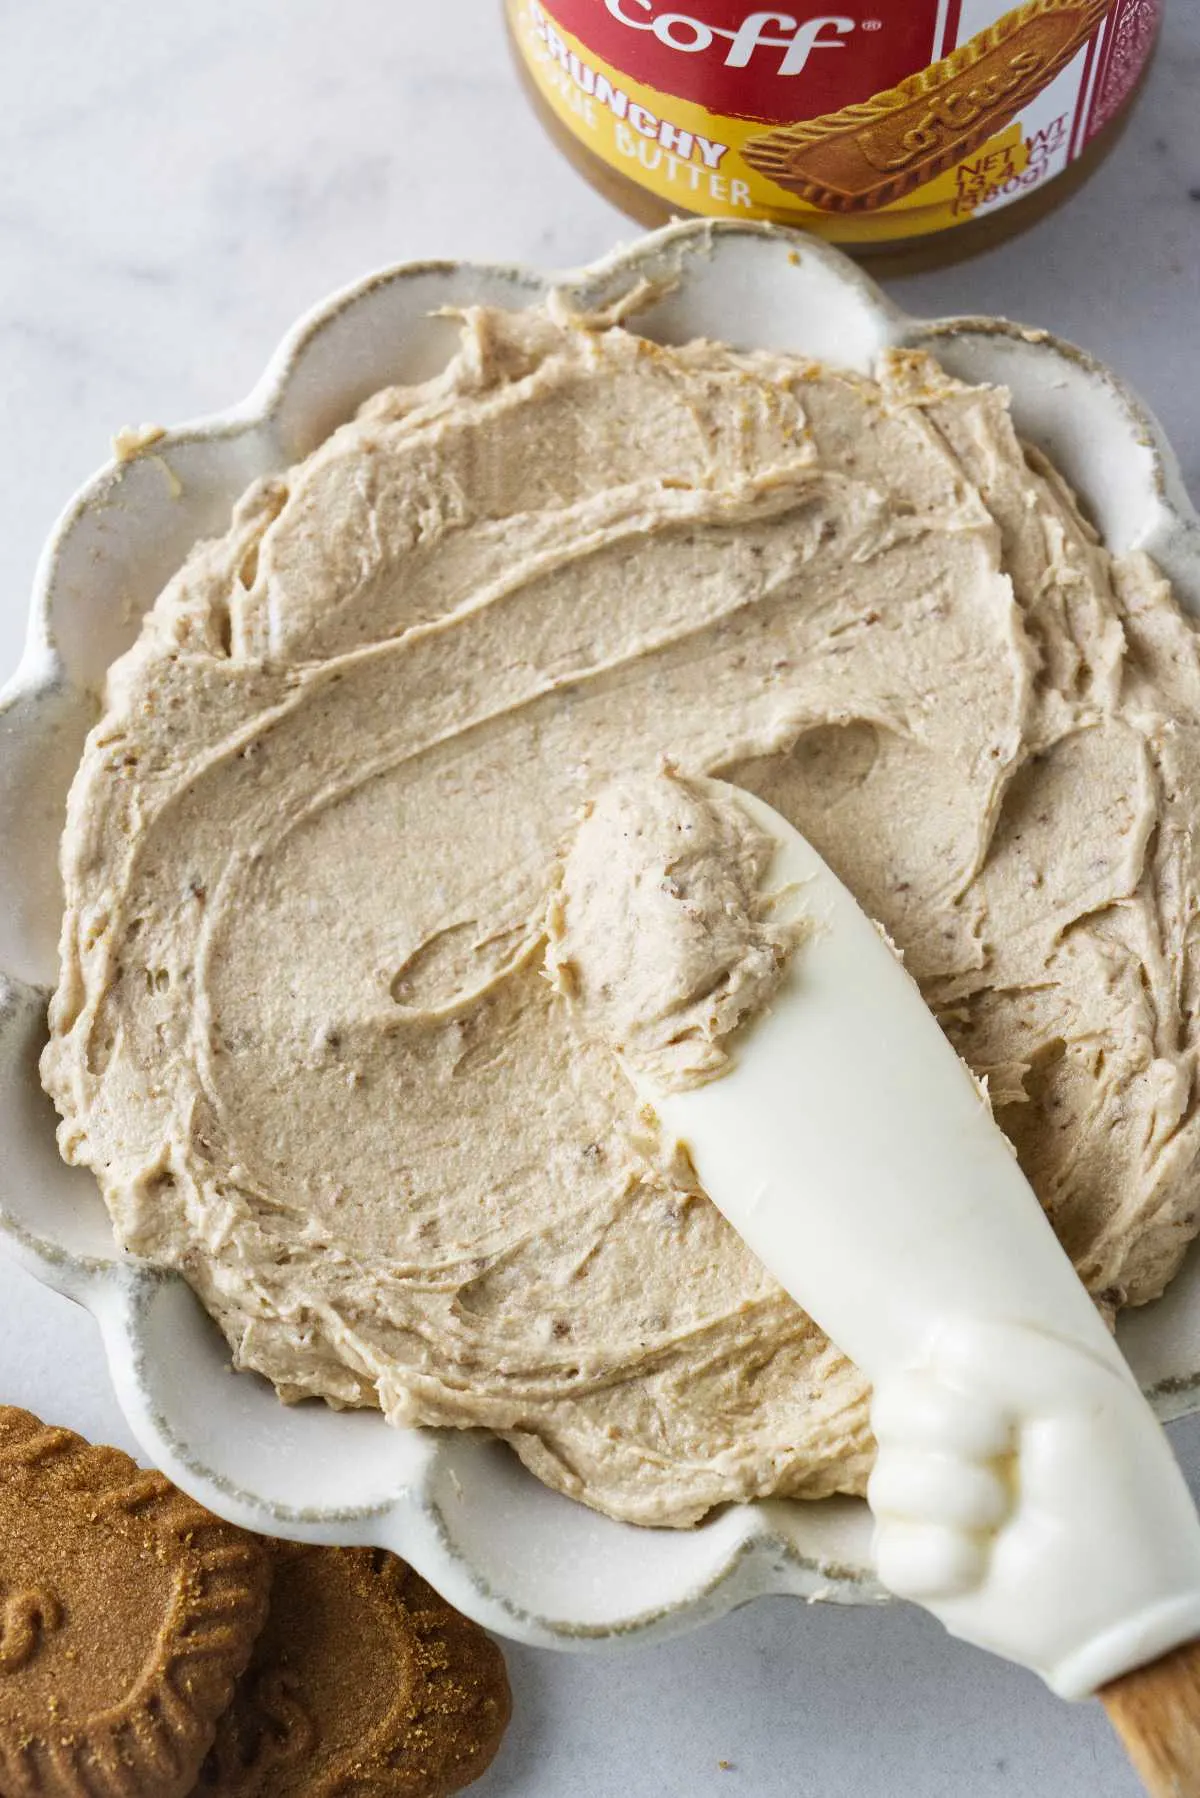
column 126, row 1614
column 363, row 1684
column 877, row 150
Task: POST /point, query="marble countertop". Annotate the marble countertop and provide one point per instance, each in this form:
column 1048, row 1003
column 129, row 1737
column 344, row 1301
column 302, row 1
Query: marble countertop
column 176, row 185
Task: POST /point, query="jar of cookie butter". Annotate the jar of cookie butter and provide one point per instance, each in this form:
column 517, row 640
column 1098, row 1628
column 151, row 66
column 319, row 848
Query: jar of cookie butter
column 879, row 124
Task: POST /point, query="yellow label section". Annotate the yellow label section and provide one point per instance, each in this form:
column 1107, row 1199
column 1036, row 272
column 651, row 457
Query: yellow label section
column 692, row 158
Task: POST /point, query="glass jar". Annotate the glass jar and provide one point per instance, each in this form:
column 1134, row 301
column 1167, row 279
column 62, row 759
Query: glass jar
column 885, row 124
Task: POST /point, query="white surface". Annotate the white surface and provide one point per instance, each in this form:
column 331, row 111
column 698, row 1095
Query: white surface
column 175, row 185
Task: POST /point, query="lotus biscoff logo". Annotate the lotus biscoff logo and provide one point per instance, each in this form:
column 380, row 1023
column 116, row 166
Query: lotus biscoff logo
column 758, row 31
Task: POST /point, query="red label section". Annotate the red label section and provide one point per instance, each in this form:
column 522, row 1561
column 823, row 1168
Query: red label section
column 754, row 63
column 1127, row 43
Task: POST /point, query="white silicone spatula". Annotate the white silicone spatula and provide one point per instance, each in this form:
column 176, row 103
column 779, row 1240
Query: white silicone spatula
column 1024, row 1492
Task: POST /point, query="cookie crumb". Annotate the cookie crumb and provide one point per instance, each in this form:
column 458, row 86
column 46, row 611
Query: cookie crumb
column 131, row 440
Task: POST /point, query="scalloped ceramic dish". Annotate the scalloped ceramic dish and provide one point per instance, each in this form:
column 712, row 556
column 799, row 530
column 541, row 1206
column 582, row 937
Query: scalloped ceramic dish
column 461, row 1508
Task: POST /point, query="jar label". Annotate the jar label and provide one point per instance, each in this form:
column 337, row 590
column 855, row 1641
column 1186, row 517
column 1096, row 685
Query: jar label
column 878, row 120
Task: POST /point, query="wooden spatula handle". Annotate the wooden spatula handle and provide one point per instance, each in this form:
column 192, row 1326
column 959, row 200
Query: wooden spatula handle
column 1156, row 1712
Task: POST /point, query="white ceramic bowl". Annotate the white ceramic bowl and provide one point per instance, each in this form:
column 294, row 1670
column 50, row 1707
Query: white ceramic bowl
column 498, row 1544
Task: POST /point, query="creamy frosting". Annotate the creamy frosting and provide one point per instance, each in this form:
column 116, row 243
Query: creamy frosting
column 663, row 934
column 303, row 1033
